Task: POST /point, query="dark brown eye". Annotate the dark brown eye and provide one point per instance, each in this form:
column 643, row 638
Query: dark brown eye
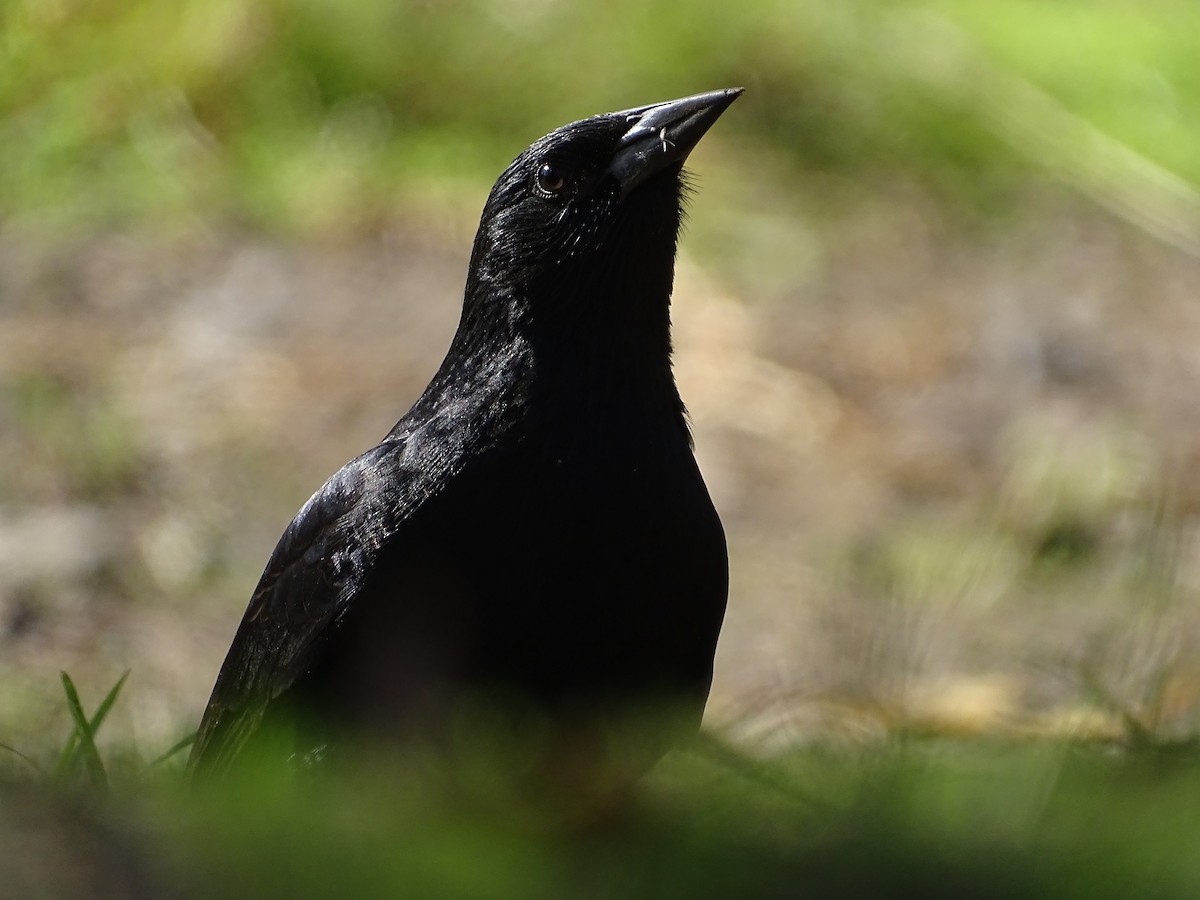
column 551, row 178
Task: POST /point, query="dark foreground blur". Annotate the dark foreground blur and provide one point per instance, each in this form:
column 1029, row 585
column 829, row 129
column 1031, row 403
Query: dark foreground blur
column 926, row 818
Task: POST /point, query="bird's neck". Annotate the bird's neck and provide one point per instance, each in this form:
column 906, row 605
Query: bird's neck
column 603, row 352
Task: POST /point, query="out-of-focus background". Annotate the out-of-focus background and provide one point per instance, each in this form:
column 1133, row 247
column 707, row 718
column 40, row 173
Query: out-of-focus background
column 936, row 312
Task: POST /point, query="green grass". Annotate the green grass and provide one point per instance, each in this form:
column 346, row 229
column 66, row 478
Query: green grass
column 924, row 818
column 312, row 117
column 909, row 817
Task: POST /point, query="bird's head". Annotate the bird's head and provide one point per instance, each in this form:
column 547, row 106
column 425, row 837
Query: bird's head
column 588, row 215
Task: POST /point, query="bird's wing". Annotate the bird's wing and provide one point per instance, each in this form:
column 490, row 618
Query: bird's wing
column 310, row 580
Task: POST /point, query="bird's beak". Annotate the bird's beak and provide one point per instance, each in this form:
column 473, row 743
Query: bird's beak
column 664, row 133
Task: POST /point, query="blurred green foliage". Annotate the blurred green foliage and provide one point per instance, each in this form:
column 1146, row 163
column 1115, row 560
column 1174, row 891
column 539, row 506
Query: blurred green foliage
column 929, row 819
column 310, row 116
column 911, row 818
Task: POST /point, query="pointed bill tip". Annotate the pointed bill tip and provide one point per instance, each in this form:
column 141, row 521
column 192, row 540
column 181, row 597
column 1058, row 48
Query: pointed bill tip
column 664, row 133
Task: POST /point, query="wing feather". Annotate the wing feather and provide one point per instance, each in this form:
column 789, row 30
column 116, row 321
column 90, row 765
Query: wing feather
column 307, row 583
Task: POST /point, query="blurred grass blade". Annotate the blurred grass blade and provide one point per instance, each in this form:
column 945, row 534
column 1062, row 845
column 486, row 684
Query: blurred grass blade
column 69, row 755
column 722, row 754
column 17, row 753
column 1040, row 127
column 175, row 748
column 66, row 756
column 107, row 703
column 82, row 742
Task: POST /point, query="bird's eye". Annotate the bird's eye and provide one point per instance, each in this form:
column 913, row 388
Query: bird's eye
column 551, row 179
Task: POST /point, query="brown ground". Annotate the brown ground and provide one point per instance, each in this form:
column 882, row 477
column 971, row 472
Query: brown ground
column 957, row 472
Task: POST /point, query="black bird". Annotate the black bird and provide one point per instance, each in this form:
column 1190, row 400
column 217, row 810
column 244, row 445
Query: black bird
column 534, row 533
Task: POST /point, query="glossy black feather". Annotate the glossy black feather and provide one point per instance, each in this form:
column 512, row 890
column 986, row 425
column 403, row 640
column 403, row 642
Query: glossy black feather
column 535, row 525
